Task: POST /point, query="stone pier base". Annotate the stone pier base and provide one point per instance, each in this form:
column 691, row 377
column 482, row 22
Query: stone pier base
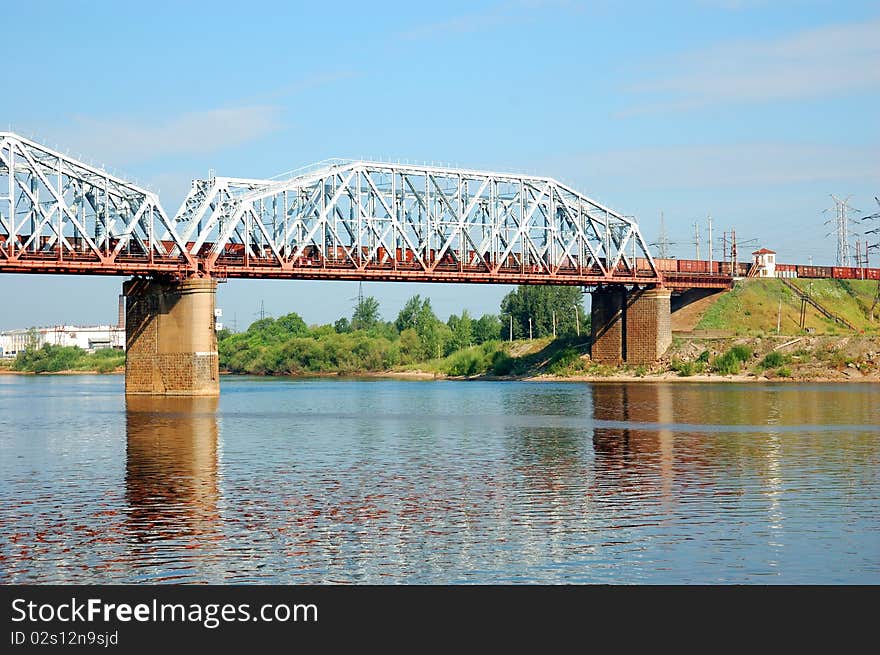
column 608, row 325
column 633, row 327
column 171, row 345
column 648, row 325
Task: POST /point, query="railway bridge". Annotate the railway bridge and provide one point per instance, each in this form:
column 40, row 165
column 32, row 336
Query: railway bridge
column 335, row 220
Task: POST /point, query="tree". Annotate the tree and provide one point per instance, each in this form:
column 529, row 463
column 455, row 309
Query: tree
column 462, row 331
column 342, row 325
column 486, row 328
column 433, row 334
column 539, row 303
column 408, row 316
column 366, row 314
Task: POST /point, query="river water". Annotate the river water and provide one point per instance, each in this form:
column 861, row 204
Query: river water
column 386, row 481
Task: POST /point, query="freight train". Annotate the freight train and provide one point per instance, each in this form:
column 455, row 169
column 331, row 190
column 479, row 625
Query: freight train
column 234, row 253
column 744, row 269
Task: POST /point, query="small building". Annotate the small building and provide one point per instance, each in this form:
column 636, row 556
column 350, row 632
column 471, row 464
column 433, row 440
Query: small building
column 764, row 261
column 89, row 338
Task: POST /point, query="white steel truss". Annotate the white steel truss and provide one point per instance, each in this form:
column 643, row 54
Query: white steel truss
column 369, row 215
column 339, row 218
column 53, row 205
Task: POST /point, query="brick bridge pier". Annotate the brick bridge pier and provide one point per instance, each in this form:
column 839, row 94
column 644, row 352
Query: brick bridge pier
column 171, row 344
column 633, row 326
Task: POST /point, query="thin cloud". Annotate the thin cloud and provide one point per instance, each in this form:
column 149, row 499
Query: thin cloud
column 719, row 166
column 813, row 63
column 127, row 140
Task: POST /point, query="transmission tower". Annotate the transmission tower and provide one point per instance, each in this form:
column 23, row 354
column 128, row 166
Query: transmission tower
column 662, row 244
column 876, row 230
column 842, row 230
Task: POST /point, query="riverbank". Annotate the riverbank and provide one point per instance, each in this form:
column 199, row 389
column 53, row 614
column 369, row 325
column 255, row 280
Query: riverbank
column 764, row 358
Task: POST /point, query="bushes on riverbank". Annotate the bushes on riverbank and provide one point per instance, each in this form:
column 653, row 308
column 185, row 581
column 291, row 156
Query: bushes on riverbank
column 51, row 359
column 462, row 346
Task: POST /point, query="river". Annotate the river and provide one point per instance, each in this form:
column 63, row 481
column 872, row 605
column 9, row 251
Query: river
column 390, row 481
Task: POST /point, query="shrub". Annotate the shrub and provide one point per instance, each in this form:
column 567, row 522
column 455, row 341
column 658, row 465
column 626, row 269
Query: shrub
column 502, row 363
column 684, row 369
column 773, row 360
column 465, row 363
column 784, row 372
column 726, row 364
column 564, row 360
column 741, row 353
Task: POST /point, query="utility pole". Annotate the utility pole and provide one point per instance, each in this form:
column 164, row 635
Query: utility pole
column 697, row 239
column 733, row 252
column 779, row 317
column 577, row 320
column 511, row 328
column 554, row 324
column 710, row 243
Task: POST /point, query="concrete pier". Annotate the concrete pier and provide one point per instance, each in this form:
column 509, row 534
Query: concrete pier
column 171, row 344
column 633, row 327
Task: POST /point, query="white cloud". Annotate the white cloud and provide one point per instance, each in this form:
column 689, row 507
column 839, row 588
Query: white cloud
column 739, row 165
column 126, row 140
column 812, row 63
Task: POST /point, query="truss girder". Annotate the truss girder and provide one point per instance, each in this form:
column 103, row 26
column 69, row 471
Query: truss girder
column 369, row 216
column 57, row 213
column 340, row 219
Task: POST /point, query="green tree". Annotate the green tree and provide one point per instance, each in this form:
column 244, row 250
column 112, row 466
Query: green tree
column 408, row 316
column 342, row 326
column 366, row 314
column 417, row 314
column 540, row 303
column 486, row 328
column 462, row 331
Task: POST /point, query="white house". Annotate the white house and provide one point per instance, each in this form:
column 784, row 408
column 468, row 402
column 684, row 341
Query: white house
column 765, row 263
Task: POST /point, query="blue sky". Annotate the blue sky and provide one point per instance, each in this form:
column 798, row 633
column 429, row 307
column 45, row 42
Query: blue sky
column 753, row 112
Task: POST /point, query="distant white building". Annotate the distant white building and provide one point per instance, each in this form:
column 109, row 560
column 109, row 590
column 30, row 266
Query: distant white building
column 90, row 338
column 765, row 263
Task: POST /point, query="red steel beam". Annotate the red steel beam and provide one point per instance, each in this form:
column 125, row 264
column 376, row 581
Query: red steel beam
column 51, row 263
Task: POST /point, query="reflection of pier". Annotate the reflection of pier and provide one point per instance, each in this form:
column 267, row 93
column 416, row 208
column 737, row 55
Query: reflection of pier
column 632, row 448
column 171, row 467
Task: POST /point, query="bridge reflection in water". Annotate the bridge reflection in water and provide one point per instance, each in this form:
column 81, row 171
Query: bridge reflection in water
column 171, row 475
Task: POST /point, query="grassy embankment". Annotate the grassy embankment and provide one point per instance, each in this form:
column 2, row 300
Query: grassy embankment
column 749, row 314
column 752, row 307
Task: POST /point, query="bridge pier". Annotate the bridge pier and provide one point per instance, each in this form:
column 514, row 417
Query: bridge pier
column 633, row 327
column 171, row 344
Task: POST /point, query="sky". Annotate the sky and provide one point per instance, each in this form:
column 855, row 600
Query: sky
column 752, row 112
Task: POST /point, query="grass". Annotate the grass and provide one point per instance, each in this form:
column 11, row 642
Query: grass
column 753, row 307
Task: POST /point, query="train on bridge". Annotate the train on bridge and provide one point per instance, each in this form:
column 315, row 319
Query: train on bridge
column 677, row 272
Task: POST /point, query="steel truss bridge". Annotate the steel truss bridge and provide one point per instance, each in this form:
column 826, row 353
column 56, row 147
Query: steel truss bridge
column 340, row 219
